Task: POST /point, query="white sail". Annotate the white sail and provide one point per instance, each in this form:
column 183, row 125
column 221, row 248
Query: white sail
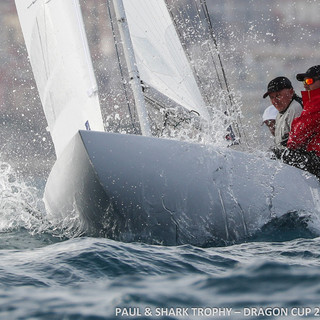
column 161, row 60
column 61, row 64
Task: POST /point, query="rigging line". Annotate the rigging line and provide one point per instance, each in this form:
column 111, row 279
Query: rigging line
column 208, row 45
column 207, row 16
column 185, row 49
column 181, row 118
column 198, row 17
column 205, row 31
column 120, row 67
column 155, row 104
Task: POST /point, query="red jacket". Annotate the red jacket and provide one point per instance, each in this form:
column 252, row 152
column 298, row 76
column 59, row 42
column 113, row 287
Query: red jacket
column 305, row 130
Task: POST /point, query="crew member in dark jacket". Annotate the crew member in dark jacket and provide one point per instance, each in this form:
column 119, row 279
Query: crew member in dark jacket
column 289, row 105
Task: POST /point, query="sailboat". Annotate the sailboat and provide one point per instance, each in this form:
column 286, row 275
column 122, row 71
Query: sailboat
column 138, row 186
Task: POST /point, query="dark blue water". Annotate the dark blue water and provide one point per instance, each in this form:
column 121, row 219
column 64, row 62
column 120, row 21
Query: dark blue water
column 48, row 275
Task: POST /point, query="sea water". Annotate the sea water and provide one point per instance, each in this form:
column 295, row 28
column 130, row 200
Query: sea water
column 46, row 274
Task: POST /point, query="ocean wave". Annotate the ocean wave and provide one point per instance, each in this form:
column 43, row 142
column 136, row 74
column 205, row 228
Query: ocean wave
column 88, row 278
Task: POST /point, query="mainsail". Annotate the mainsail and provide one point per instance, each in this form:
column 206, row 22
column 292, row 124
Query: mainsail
column 160, row 57
column 61, row 64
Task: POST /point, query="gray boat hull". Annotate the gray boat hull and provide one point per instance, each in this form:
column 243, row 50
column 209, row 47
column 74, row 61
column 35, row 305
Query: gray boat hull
column 160, row 191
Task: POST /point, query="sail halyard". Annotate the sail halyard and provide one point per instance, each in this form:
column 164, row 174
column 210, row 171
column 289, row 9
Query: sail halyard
column 59, row 55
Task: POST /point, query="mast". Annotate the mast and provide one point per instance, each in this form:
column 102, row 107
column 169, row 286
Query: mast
column 132, row 67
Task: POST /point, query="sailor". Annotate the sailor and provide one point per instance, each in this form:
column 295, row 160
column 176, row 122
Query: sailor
column 304, row 138
column 289, row 106
column 269, row 118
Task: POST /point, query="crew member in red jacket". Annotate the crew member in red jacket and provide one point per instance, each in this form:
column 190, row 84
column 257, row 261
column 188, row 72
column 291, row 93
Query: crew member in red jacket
column 304, row 138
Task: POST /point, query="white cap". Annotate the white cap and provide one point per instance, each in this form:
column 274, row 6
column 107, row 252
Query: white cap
column 270, row 113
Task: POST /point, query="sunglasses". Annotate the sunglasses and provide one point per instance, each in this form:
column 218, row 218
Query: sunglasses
column 309, row 81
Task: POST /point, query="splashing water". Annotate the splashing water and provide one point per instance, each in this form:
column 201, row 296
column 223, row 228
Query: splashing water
column 20, row 205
